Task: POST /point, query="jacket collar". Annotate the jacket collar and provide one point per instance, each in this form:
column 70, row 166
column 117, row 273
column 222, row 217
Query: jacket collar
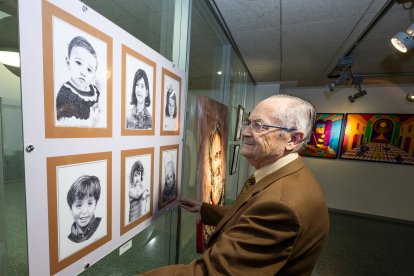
column 290, row 168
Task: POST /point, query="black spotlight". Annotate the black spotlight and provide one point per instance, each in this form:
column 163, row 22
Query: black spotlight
column 357, row 95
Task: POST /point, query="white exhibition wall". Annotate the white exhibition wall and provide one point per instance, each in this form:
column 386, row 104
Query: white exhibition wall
column 381, row 189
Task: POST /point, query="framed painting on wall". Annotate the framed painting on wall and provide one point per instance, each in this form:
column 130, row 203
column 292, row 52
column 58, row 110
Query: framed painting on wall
column 138, row 93
column 239, row 121
column 326, row 135
column 170, row 103
column 211, row 162
column 168, row 175
column 235, row 159
column 379, row 137
column 79, row 206
column 77, row 64
column 137, row 178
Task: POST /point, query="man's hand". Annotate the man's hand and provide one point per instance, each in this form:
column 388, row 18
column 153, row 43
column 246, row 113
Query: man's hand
column 192, row 205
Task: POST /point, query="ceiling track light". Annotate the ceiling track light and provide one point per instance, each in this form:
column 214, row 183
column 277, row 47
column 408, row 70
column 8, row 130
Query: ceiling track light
column 361, row 92
column 404, row 41
column 344, row 66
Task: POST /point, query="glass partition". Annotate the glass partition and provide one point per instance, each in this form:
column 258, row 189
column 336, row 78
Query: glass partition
column 215, row 71
column 208, row 69
column 151, row 248
column 241, row 93
column 13, row 198
column 12, row 140
column 3, row 238
column 151, row 21
column 13, row 232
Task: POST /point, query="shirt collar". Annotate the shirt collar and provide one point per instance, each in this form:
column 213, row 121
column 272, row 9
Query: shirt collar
column 272, row 167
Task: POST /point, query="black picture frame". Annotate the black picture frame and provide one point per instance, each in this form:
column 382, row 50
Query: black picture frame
column 239, row 120
column 235, row 159
column 378, row 137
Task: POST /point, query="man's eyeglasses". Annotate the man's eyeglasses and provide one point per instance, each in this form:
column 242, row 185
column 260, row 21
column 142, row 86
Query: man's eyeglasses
column 258, row 126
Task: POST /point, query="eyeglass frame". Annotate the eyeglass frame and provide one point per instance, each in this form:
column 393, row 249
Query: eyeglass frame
column 246, row 123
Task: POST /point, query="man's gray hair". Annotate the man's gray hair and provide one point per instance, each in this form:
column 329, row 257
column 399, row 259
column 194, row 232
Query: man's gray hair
column 297, row 113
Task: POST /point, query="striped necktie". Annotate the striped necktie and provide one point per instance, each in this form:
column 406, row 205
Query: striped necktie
column 250, row 182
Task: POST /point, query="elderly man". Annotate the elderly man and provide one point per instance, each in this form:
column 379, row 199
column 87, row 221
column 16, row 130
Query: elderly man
column 279, row 225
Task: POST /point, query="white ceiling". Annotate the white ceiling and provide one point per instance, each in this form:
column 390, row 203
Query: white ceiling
column 292, row 42
column 299, row 42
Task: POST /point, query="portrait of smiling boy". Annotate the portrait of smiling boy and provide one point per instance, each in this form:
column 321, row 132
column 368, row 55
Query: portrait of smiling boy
column 82, row 198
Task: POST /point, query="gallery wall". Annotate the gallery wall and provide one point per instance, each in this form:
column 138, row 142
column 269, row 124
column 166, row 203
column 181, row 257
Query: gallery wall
column 372, row 188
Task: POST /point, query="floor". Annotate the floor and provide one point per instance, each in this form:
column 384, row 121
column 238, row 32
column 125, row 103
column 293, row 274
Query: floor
column 365, row 246
column 356, row 246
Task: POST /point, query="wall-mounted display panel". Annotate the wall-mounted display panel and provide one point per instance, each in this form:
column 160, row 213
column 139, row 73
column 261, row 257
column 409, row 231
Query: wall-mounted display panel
column 48, row 28
column 77, row 68
column 379, row 137
column 326, row 135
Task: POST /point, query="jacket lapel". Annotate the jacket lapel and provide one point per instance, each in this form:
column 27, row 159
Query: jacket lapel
column 290, row 168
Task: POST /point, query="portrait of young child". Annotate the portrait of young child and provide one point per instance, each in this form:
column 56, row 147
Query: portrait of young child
column 82, row 201
column 168, row 178
column 169, row 191
column 77, row 102
column 83, row 196
column 79, row 75
column 138, row 187
column 171, row 103
column 138, row 193
column 138, row 93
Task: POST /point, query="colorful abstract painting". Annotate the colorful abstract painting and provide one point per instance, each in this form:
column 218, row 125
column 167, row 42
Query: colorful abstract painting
column 379, row 137
column 326, row 134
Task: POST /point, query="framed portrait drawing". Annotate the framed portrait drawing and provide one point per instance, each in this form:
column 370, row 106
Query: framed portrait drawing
column 168, row 175
column 138, row 93
column 326, row 135
column 137, row 178
column 239, row 121
column 170, row 103
column 235, row 159
column 79, row 206
column 77, row 62
column 379, row 137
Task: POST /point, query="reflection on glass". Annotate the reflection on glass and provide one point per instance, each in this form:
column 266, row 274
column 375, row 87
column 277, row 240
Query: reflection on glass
column 151, row 21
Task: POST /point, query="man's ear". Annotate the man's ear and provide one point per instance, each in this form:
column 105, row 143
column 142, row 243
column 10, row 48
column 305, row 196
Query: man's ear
column 67, row 62
column 295, row 138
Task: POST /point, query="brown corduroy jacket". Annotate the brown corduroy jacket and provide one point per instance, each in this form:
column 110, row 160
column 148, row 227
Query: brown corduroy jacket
column 277, row 227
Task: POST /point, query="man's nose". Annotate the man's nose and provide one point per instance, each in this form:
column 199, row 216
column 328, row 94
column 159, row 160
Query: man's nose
column 247, row 130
